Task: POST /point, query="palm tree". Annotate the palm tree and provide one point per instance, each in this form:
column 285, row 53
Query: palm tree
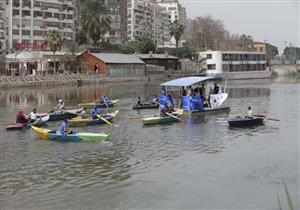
column 176, row 31
column 95, row 19
column 53, row 40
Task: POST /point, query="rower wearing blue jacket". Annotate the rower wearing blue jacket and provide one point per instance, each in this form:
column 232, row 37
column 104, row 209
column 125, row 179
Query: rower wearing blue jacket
column 103, row 99
column 95, row 111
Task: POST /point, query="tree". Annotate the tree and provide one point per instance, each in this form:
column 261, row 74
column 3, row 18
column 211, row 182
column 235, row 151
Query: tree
column 145, row 45
column 53, row 41
column 176, row 31
column 95, row 19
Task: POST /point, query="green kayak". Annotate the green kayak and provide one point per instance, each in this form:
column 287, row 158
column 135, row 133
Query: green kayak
column 93, row 136
column 159, row 120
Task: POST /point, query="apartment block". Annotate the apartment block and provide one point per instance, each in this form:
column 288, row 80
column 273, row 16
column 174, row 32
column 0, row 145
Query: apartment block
column 147, row 19
column 3, row 25
column 30, row 20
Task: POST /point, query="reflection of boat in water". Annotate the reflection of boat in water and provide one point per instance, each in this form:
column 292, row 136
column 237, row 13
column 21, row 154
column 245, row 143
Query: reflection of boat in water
column 193, row 102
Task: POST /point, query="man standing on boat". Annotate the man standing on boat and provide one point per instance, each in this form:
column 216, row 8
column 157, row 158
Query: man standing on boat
column 60, row 106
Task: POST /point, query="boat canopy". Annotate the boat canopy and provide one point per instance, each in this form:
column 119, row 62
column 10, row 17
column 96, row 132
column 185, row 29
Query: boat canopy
column 187, row 81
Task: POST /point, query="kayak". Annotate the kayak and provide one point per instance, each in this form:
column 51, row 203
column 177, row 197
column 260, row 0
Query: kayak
column 41, row 132
column 99, row 105
column 53, row 136
column 162, row 120
column 60, row 116
column 78, row 121
column 145, row 106
column 19, row 126
column 240, row 121
column 159, row 120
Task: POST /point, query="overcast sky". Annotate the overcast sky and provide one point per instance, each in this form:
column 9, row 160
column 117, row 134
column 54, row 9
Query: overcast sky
column 275, row 21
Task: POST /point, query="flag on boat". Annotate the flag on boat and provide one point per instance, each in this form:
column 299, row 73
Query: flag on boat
column 216, row 100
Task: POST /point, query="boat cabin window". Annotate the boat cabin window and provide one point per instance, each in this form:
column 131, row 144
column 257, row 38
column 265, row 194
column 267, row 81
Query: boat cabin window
column 209, row 56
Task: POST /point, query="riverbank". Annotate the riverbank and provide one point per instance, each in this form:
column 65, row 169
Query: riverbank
column 286, row 70
column 77, row 79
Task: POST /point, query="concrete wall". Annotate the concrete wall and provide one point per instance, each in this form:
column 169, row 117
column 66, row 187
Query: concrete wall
column 286, row 70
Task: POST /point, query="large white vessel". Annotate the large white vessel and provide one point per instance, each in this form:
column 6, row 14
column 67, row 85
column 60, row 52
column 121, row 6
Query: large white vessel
column 236, row 64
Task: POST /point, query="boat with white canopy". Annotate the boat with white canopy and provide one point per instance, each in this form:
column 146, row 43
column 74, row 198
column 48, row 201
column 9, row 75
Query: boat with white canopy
column 197, row 94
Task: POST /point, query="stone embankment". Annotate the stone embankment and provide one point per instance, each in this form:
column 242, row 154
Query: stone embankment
column 286, row 70
column 75, row 79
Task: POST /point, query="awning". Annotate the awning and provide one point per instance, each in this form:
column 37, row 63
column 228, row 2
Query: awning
column 186, row 81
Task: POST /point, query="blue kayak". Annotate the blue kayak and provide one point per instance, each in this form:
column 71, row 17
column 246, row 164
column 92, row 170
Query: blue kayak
column 240, row 121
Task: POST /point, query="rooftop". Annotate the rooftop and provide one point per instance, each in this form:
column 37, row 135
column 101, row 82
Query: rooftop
column 118, row 58
column 156, row 56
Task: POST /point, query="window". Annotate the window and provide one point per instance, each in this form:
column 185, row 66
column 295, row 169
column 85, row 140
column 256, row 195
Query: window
column 225, row 67
column 16, row 12
column 16, row 32
column 225, row 57
column 56, row 15
column 37, row 14
column 209, row 56
column 37, row 33
column 211, row 67
column 26, row 13
column 25, row 32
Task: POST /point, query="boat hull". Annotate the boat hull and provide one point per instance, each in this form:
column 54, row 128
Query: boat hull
column 159, row 120
column 76, row 122
column 209, row 111
column 102, row 105
column 244, row 122
column 146, row 106
column 20, row 126
column 41, row 132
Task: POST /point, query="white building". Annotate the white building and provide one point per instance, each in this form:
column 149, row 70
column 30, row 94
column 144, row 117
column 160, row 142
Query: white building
column 3, row 25
column 236, row 64
column 176, row 13
column 147, row 19
column 30, row 20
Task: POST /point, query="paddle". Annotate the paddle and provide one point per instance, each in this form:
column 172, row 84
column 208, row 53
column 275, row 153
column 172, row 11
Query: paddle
column 265, row 116
column 138, row 117
column 105, row 120
column 174, row 117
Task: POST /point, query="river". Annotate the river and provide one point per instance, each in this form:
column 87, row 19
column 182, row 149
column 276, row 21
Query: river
column 198, row 164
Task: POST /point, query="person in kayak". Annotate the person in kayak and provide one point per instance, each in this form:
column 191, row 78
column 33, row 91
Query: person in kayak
column 60, row 106
column 165, row 110
column 95, row 111
column 83, row 113
column 155, row 100
column 103, row 99
column 249, row 113
column 163, row 90
column 33, row 115
column 21, row 118
column 139, row 102
column 63, row 128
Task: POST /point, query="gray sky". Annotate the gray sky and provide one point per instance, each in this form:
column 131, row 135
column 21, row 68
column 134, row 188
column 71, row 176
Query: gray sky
column 273, row 20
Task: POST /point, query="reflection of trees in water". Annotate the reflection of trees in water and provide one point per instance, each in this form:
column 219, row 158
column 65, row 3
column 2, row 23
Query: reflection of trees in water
column 248, row 92
column 73, row 95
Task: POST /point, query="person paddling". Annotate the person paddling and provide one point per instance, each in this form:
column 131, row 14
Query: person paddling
column 33, row 115
column 166, row 110
column 83, row 113
column 155, row 100
column 21, row 118
column 139, row 102
column 95, row 111
column 60, row 106
column 63, row 128
column 103, row 99
column 249, row 113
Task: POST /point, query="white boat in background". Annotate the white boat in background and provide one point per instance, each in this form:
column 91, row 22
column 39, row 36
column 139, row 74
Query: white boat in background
column 236, row 64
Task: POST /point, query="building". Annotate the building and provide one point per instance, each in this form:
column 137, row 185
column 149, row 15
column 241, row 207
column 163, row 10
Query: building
column 113, row 64
column 236, row 64
column 30, row 20
column 146, row 19
column 118, row 12
column 176, row 13
column 3, row 25
column 167, row 61
column 270, row 50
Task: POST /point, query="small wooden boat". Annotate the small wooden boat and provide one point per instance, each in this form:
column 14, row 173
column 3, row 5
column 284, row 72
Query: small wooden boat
column 162, row 120
column 53, row 136
column 71, row 113
column 19, row 126
column 146, row 106
column 99, row 105
column 244, row 122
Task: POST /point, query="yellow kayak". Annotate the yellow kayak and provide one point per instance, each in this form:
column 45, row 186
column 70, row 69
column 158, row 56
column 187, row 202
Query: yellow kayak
column 41, row 132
